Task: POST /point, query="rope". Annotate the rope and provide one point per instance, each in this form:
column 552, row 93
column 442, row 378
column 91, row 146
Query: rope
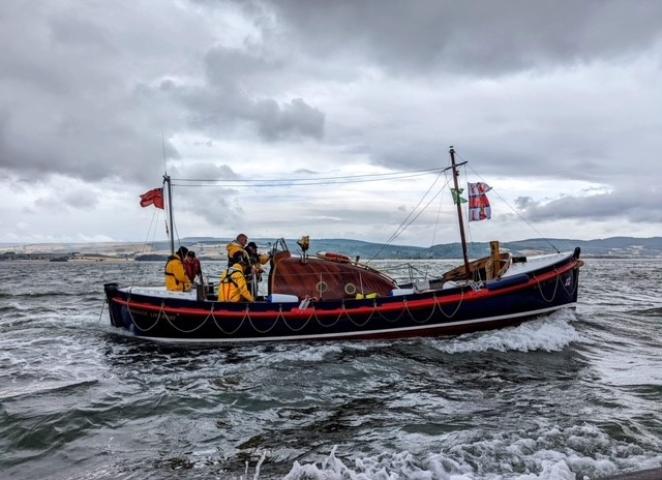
column 542, row 294
column 402, row 312
column 221, row 328
column 574, row 282
column 280, row 315
column 515, row 211
column 456, row 308
column 359, row 325
column 302, row 326
column 413, row 318
column 327, row 326
column 406, row 223
column 185, row 331
column 289, row 182
column 434, row 307
column 103, row 307
column 133, row 321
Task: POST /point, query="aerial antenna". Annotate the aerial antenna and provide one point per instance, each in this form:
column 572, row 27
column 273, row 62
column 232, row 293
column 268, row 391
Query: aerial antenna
column 163, row 153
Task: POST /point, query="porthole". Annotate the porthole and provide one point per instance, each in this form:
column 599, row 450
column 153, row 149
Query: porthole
column 321, row 287
column 350, row 288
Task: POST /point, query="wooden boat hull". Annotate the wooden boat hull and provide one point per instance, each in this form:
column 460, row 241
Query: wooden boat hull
column 496, row 304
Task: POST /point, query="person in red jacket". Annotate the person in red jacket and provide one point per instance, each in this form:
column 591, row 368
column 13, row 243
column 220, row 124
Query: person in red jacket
column 192, row 266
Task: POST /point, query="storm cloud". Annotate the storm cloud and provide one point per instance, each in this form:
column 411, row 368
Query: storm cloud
column 103, row 97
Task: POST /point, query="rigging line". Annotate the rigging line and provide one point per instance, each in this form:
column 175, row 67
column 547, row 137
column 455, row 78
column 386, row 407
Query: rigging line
column 420, row 201
column 174, row 226
column 149, row 233
column 431, row 170
column 397, row 234
column 434, row 236
column 149, row 230
column 412, row 220
column 421, row 212
column 249, row 183
column 542, row 236
column 394, row 234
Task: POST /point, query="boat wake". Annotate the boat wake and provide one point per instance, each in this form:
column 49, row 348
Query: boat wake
column 551, row 453
column 549, row 334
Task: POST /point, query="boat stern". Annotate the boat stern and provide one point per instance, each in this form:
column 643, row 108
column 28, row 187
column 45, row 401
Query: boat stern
column 112, row 290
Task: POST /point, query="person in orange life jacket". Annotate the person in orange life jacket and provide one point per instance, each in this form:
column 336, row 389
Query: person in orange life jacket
column 256, row 260
column 192, row 266
column 236, row 246
column 233, row 286
column 175, row 275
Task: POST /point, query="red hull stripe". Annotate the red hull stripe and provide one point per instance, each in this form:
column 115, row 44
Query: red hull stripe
column 296, row 313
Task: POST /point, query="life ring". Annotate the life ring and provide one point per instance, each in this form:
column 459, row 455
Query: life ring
column 334, row 257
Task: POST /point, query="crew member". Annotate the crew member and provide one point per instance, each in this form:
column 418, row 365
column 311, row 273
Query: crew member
column 192, row 266
column 175, row 275
column 255, row 260
column 236, row 246
column 233, row 286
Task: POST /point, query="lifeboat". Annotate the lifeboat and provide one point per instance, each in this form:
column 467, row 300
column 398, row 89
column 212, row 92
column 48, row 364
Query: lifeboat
column 321, row 299
column 330, row 297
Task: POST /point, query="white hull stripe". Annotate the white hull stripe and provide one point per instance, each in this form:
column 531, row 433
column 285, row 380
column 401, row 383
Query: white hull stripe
column 363, row 333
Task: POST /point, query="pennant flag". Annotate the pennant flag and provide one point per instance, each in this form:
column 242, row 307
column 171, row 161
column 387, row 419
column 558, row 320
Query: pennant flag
column 152, row 197
column 457, row 196
column 479, row 205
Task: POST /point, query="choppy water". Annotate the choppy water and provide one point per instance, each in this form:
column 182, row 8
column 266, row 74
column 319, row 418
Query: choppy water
column 576, row 395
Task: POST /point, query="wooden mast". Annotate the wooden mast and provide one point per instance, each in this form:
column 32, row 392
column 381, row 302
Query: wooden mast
column 166, row 179
column 458, row 203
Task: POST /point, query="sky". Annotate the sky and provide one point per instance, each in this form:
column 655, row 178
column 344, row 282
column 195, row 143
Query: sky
column 556, row 104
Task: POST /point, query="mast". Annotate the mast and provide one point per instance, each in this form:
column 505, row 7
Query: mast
column 458, row 203
column 166, row 179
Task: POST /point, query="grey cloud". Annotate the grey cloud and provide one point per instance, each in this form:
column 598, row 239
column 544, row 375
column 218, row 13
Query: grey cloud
column 219, row 207
column 66, row 106
column 232, row 93
column 295, row 117
column 640, row 205
column 85, row 144
column 472, row 36
column 216, row 108
column 522, row 203
column 204, row 171
column 81, row 199
column 79, row 32
column 226, row 66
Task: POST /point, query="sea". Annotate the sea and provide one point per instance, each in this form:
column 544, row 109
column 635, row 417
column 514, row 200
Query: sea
column 575, row 395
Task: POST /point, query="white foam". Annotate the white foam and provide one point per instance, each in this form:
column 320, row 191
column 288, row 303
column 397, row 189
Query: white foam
column 550, row 334
column 545, row 454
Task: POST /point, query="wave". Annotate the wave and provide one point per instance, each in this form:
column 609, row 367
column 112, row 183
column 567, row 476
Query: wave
column 582, row 451
column 40, row 294
column 551, row 334
column 10, row 392
column 647, row 312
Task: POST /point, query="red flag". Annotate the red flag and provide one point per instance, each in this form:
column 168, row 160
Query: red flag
column 152, row 197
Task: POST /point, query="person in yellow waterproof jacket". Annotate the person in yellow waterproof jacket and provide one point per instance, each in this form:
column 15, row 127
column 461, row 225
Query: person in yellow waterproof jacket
column 233, row 286
column 236, row 246
column 175, row 275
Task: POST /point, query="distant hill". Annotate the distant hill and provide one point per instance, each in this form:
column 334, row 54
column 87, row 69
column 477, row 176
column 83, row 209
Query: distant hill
column 214, row 248
column 610, row 247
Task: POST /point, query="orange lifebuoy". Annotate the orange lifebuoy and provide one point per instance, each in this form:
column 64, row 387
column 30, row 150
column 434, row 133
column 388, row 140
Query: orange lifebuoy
column 334, row 257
